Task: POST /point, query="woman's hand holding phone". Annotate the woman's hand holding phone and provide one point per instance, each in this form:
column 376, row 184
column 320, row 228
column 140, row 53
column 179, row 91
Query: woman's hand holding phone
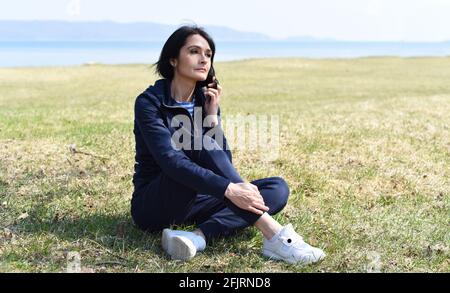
column 213, row 93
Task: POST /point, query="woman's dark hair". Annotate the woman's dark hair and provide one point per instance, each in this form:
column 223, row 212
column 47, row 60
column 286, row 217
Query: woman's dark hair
column 171, row 49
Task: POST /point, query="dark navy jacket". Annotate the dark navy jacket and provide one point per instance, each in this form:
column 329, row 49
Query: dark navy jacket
column 154, row 110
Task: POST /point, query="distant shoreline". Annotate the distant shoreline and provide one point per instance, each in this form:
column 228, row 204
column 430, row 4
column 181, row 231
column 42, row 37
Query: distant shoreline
column 33, row 53
column 50, row 53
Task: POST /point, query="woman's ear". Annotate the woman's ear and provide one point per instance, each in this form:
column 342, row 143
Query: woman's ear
column 173, row 62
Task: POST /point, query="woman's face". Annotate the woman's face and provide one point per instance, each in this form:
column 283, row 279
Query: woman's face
column 194, row 60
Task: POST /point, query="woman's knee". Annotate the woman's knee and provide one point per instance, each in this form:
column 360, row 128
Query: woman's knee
column 280, row 194
column 284, row 191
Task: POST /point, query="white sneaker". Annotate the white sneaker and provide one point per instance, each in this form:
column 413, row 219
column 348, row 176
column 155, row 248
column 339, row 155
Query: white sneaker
column 288, row 246
column 177, row 246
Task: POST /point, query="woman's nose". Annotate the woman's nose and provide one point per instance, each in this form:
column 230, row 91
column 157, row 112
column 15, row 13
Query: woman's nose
column 204, row 58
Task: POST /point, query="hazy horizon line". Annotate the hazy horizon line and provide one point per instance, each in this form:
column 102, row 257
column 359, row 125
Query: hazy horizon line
column 271, row 38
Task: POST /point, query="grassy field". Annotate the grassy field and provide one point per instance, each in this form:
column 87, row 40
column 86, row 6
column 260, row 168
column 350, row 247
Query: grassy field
column 365, row 149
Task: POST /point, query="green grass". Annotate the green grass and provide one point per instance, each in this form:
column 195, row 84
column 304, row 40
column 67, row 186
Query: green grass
column 365, row 149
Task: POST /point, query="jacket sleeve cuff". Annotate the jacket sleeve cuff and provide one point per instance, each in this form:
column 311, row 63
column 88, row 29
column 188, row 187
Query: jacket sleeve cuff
column 220, row 186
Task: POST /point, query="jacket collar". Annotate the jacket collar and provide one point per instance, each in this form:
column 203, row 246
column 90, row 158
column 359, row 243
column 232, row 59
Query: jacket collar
column 161, row 89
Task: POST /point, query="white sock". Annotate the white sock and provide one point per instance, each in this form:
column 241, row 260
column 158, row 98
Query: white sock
column 199, row 242
column 277, row 235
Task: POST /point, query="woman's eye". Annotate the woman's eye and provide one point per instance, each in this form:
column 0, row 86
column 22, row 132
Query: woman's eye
column 195, row 52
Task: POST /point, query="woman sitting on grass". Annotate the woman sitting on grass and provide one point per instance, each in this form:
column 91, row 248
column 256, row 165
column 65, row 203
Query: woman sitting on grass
column 187, row 185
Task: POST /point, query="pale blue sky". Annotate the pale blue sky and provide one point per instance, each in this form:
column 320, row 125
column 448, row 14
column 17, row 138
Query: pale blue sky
column 375, row 20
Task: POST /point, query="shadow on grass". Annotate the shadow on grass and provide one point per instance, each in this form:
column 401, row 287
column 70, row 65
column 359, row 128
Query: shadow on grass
column 104, row 229
column 114, row 232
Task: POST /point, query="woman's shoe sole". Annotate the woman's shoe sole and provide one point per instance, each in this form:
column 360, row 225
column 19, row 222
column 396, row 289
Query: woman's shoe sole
column 178, row 247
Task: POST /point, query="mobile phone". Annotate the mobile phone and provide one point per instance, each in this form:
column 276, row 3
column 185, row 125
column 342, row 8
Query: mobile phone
column 209, row 79
column 212, row 79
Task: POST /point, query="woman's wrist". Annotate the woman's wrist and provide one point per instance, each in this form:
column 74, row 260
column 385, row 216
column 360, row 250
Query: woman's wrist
column 212, row 120
column 228, row 190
